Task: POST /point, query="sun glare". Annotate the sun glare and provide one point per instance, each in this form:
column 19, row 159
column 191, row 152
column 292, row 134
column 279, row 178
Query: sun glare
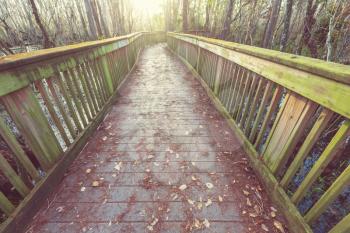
column 148, row 7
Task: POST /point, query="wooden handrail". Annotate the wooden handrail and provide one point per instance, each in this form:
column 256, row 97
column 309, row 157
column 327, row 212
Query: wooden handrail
column 56, row 98
column 279, row 106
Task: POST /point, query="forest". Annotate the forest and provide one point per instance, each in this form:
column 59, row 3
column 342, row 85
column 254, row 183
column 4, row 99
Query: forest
column 314, row 28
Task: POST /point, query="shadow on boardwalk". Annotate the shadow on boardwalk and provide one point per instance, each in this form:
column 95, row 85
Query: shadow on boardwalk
column 163, row 160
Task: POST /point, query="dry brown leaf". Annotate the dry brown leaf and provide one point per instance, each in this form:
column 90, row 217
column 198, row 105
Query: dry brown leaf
column 248, row 202
column 95, row 183
column 245, row 192
column 220, row 199
column 279, row 226
column 183, row 187
column 264, row 227
column 206, row 223
column 209, row 185
column 88, row 170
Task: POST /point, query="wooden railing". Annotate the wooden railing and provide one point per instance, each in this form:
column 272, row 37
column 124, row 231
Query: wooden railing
column 51, row 102
column 284, row 108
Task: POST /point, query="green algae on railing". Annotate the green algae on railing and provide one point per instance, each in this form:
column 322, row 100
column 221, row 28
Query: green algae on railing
column 53, row 100
column 280, row 106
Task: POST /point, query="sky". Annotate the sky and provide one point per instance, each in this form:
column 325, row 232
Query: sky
column 148, row 7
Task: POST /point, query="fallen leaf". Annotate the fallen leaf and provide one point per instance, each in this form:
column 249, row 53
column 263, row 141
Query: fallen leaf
column 246, row 192
column 264, row 227
column 59, row 209
column 209, row 185
column 273, row 214
column 95, row 184
column 183, row 187
column 82, row 189
column 118, row 166
column 104, row 138
column 150, row 156
column 273, row 209
column 206, row 223
column 190, row 201
column 194, row 178
column 208, row 203
column 220, row 199
column 278, row 225
column 88, row 170
column 253, row 215
column 248, row 202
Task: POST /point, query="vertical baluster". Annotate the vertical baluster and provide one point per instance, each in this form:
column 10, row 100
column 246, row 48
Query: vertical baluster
column 61, row 108
column 52, row 112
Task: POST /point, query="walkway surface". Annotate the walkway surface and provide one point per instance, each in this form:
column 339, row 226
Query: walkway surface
column 163, row 160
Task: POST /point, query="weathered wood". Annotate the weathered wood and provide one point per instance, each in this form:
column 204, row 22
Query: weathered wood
column 309, row 142
column 252, row 90
column 218, row 75
column 287, row 130
column 67, row 83
column 58, row 102
column 325, row 91
column 253, row 109
column 5, row 205
column 261, row 109
column 64, row 90
column 296, row 222
column 88, row 91
column 327, row 155
column 343, row 226
column 22, row 216
column 12, row 176
column 17, row 150
column 329, row 196
column 26, row 112
column 52, row 111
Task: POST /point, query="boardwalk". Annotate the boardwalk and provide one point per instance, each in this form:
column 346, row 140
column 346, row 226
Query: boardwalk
column 163, row 160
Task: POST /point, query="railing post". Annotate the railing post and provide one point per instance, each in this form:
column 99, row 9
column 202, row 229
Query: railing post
column 127, row 55
column 217, row 76
column 107, row 74
column 198, row 55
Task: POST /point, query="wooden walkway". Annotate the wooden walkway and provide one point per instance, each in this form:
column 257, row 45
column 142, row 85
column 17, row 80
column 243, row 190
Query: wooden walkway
column 163, row 160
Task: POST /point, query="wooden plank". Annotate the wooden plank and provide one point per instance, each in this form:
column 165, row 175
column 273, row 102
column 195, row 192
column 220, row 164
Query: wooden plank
column 219, row 67
column 93, row 84
column 50, row 108
column 26, row 112
column 257, row 95
column 80, row 94
column 265, row 98
column 309, row 142
column 241, row 76
column 287, row 131
column 27, row 209
column 247, row 84
column 66, row 82
column 331, row 70
column 343, row 226
column 325, row 91
column 64, row 90
column 60, row 106
column 88, row 91
column 296, row 223
column 329, row 196
column 107, row 74
column 231, row 84
column 12, row 176
column 251, row 91
column 5, row 205
column 326, row 156
column 17, row 150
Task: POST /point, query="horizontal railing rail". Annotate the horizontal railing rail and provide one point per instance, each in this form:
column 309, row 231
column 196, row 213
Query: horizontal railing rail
column 51, row 101
column 287, row 110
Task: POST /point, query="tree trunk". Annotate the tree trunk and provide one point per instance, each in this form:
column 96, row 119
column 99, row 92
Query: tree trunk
column 207, row 15
column 285, row 32
column 308, row 25
column 228, row 20
column 184, row 15
column 82, row 19
column 47, row 43
column 271, row 26
column 102, row 19
column 92, row 26
column 95, row 17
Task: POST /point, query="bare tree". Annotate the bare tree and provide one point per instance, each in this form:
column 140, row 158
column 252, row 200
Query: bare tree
column 184, row 15
column 271, row 25
column 47, row 43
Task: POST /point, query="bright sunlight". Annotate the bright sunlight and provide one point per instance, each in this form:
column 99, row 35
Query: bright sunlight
column 148, row 7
